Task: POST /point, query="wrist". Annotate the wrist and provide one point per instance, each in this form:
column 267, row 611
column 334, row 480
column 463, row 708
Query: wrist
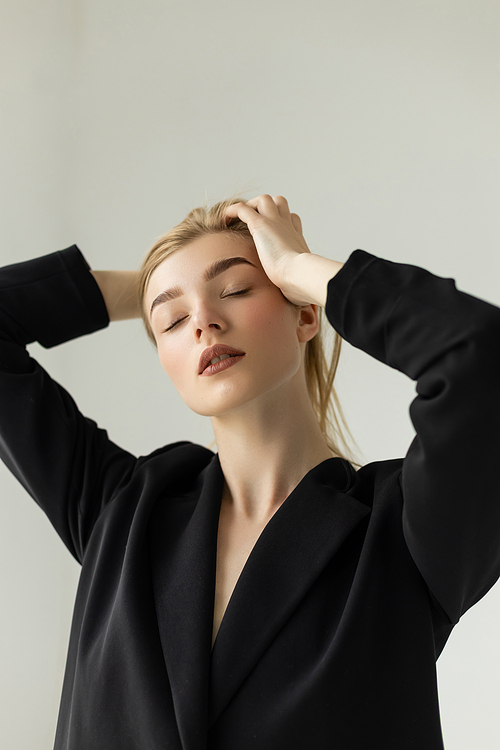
column 309, row 276
column 120, row 292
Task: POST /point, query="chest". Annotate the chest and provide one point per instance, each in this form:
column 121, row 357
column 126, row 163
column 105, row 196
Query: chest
column 235, row 541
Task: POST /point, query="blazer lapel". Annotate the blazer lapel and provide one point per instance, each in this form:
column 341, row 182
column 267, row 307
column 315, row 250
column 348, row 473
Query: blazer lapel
column 183, row 534
column 299, row 540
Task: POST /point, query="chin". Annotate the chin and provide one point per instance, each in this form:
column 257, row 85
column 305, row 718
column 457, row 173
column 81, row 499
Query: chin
column 230, row 396
column 217, row 407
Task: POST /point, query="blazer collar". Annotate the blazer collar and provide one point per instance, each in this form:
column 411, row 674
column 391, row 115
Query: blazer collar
column 297, row 543
column 183, row 551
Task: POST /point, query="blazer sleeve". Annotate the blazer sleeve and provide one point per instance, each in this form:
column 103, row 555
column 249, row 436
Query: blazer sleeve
column 65, row 462
column 449, row 343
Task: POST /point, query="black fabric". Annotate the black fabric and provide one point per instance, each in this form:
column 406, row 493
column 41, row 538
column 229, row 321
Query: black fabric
column 352, row 589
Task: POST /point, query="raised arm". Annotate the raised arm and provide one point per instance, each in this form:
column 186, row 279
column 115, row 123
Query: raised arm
column 448, row 342
column 68, row 465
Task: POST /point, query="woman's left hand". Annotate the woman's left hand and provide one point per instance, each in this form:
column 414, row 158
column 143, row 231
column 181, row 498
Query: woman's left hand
column 278, row 237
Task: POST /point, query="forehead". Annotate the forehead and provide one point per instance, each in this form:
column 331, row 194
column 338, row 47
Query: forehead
column 189, row 263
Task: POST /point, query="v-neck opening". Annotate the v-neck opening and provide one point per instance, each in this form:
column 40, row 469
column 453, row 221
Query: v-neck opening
column 323, row 469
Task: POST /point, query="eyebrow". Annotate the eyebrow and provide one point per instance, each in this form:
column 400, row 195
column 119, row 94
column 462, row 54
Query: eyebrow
column 218, row 267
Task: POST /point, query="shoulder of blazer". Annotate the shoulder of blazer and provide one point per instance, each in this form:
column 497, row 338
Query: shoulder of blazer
column 177, row 458
column 376, row 478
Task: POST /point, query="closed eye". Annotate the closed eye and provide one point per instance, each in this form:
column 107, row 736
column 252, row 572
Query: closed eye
column 232, row 294
column 235, row 294
column 173, row 325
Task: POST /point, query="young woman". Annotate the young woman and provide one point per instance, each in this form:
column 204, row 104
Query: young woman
column 269, row 596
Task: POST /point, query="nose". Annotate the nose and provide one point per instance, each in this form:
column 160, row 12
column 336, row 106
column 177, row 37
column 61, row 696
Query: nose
column 206, row 320
column 201, row 331
column 211, row 325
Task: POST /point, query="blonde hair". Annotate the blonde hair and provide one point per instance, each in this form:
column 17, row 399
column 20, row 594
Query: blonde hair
column 319, row 373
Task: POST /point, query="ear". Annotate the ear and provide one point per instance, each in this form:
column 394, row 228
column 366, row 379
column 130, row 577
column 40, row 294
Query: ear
column 308, row 322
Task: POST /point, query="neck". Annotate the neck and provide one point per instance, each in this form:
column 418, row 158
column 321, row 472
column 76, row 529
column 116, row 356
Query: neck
column 266, row 448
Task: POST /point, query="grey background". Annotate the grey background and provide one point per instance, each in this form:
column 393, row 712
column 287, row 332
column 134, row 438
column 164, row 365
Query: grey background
column 378, row 121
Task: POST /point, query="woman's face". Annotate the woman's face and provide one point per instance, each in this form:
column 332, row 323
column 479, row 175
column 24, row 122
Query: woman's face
column 239, row 307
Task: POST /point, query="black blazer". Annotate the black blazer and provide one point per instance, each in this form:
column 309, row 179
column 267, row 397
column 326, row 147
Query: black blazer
column 351, row 591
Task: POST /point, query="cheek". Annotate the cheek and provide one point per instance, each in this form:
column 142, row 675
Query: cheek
column 271, row 330
column 176, row 359
column 262, row 314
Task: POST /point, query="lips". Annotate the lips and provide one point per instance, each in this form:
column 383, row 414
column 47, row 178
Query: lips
column 216, row 351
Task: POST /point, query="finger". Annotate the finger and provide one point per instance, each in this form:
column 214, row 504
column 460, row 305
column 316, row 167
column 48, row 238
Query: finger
column 241, row 211
column 297, row 224
column 265, row 205
column 282, row 205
